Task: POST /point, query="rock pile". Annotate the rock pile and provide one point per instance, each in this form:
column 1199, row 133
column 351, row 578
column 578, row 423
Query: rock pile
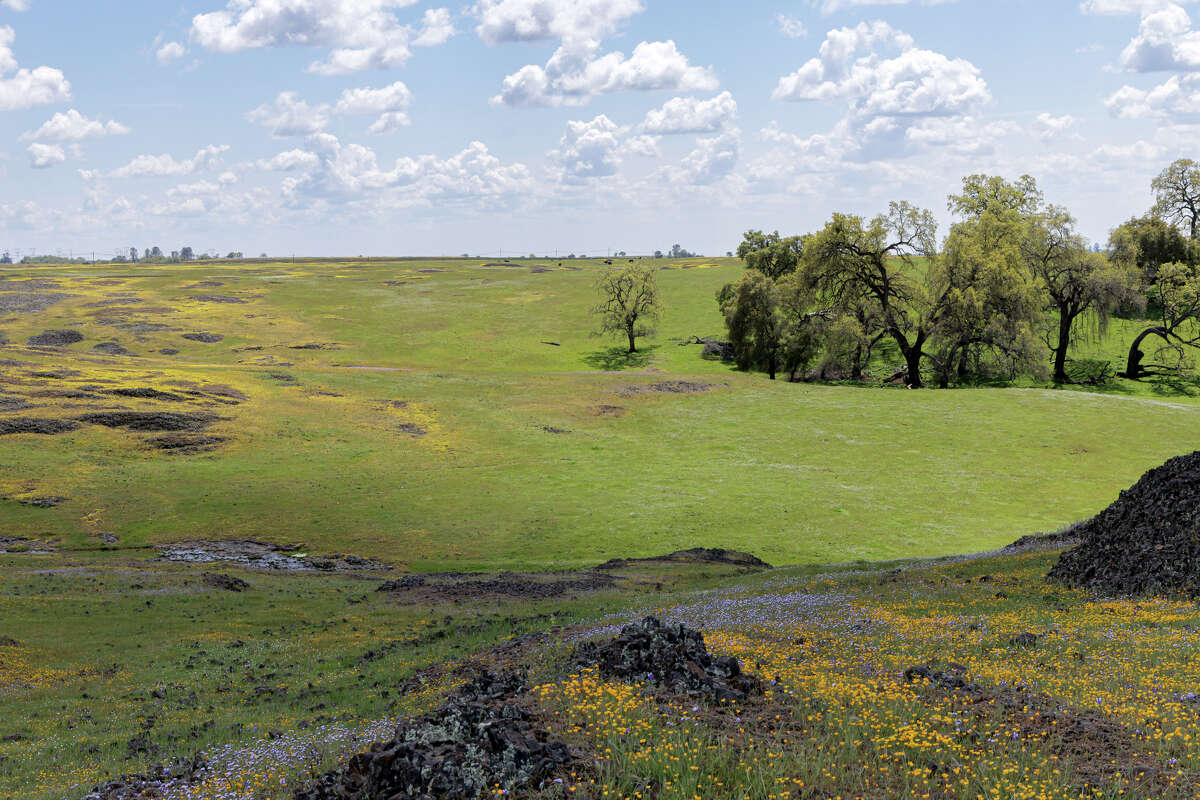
column 157, row 782
column 1145, row 543
column 479, row 738
column 672, row 656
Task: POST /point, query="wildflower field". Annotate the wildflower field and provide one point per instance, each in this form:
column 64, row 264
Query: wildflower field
column 386, row 421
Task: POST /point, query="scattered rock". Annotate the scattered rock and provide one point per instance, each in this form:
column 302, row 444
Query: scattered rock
column 721, row 351
column 459, row 586
column 263, row 555
column 56, row 339
column 159, row 781
column 41, row 425
column 13, row 302
column 150, row 421
column 43, row 502
column 703, row 555
column 8, row 641
column 667, row 387
column 169, row 351
column 11, row 403
column 206, row 338
column 552, row 429
column 185, row 443
column 143, row 393
column 610, row 411
column 110, row 349
column 674, row 657
column 400, row 584
column 227, row 582
column 217, row 298
column 480, row 738
column 1145, row 543
column 1067, row 537
column 953, row 676
column 1024, row 640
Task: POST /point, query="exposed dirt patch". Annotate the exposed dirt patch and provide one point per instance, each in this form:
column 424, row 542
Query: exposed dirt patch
column 667, row 387
column 226, row 582
column 610, row 411
column 206, row 338
column 56, row 339
column 150, row 421
column 185, row 443
column 697, row 555
column 110, row 349
column 263, row 555
column 528, row 586
column 205, row 285
column 28, row 284
column 40, row 425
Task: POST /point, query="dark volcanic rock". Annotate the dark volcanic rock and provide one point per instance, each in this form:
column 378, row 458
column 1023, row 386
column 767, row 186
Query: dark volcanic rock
column 703, row 555
column 400, row 584
column 671, row 656
column 206, row 338
column 227, row 582
column 155, row 783
column 40, row 425
column 56, row 339
column 1145, row 543
column 150, row 421
column 110, row 349
column 480, row 738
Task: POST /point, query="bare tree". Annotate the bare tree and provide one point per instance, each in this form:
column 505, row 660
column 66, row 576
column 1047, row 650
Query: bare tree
column 1177, row 195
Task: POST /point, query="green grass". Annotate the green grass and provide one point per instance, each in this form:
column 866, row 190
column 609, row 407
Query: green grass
column 793, row 473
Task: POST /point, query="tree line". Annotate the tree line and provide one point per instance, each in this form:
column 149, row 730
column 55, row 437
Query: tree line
column 1012, row 289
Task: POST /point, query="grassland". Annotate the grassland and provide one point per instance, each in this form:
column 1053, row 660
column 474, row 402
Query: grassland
column 433, row 425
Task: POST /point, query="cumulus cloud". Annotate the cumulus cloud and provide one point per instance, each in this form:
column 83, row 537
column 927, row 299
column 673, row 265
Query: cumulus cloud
column 364, row 34
column 535, row 20
column 791, row 27
column 576, row 73
column 290, row 115
column 15, row 5
column 833, row 6
column 170, row 52
column 289, row 160
column 73, row 126
column 1178, row 99
column 25, row 88
column 1047, row 126
column 389, row 102
column 166, row 165
column 1165, row 42
column 912, row 82
column 690, row 115
column 712, row 159
column 588, row 149
column 42, row 156
column 1121, row 7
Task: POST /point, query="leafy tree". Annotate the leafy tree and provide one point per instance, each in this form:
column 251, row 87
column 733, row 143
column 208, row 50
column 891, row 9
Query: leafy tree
column 771, row 254
column 658, row 253
column 769, row 327
column 186, row 254
column 6, row 258
column 1146, row 243
column 629, row 302
column 1076, row 281
column 1177, row 299
column 133, row 254
column 855, row 265
column 1177, row 196
column 156, row 252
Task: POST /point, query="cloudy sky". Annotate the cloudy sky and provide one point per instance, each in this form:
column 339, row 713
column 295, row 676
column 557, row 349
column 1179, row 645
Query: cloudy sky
column 404, row 127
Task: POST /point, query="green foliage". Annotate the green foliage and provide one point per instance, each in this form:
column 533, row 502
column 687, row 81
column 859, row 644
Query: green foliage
column 1177, row 196
column 1144, row 244
column 629, row 302
column 771, row 254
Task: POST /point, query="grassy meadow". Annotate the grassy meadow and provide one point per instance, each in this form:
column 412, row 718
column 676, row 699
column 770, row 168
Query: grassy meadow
column 460, row 415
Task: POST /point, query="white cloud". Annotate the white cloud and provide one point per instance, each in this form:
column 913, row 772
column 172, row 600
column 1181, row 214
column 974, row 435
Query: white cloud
column 588, row 150
column 166, row 165
column 576, row 73
column 436, row 28
column 791, row 27
column 170, row 52
column 289, row 160
column 73, row 126
column 1177, row 99
column 390, row 102
column 1165, row 41
column 535, row 20
column 42, row 156
column 1047, row 126
column 713, row 158
column 362, row 34
column 1121, row 7
column 27, row 88
column 290, row 115
column 689, row 115
column 833, row 6
column 913, row 82
column 15, row 5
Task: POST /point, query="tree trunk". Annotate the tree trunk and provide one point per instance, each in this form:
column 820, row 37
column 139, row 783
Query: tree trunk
column 1133, row 366
column 912, row 360
column 1064, row 341
column 771, row 366
column 632, row 345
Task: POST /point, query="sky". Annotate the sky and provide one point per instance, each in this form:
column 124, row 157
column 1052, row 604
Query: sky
column 511, row 127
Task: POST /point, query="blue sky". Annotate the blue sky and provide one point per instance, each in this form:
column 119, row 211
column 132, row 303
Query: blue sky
column 393, row 127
